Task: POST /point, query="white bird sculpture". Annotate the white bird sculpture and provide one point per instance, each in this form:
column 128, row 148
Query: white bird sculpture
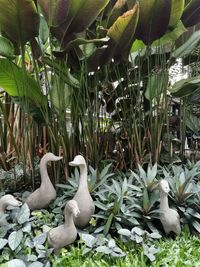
column 169, row 218
column 66, row 233
column 42, row 196
column 82, row 196
column 5, row 201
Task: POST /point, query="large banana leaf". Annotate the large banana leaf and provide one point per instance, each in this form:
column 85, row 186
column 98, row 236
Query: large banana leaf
column 187, row 46
column 19, row 20
column 82, row 13
column 185, row 87
column 191, row 14
column 171, row 36
column 60, row 94
column 121, row 35
column 118, row 9
column 17, row 83
column 70, row 17
column 193, row 122
column 6, row 48
column 156, row 85
column 177, row 7
column 123, row 30
column 55, row 12
column 153, row 20
column 168, row 37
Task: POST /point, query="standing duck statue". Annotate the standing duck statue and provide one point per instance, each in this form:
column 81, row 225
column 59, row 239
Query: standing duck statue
column 170, row 218
column 42, row 196
column 66, row 233
column 5, row 201
column 82, row 196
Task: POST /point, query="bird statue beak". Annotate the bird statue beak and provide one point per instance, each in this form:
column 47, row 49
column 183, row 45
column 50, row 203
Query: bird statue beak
column 72, row 163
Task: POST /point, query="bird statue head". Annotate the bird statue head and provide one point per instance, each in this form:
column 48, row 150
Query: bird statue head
column 50, row 157
column 72, row 205
column 164, row 186
column 9, row 200
column 78, row 161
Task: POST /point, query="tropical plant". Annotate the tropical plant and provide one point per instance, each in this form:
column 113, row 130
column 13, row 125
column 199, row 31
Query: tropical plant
column 184, row 193
column 45, row 76
column 142, row 237
column 20, row 243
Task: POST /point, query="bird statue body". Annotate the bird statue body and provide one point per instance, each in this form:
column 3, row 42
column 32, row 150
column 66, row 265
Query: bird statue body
column 5, row 201
column 82, row 196
column 66, row 233
column 46, row 193
column 170, row 218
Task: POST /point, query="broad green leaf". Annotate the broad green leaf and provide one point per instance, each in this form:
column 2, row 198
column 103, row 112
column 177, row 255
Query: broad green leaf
column 185, row 87
column 188, row 46
column 17, row 83
column 60, row 94
column 153, row 20
column 177, row 7
column 82, row 13
column 81, row 41
column 56, row 11
column 156, row 85
column 3, row 242
column 137, row 230
column 171, row 36
column 16, row 263
column 15, row 239
column 37, row 113
column 118, row 9
column 19, row 20
column 124, row 232
column 24, row 214
column 6, row 48
column 40, row 239
column 43, row 30
column 26, row 228
column 62, row 71
column 123, row 30
column 192, row 122
column 89, row 240
column 191, row 14
column 137, row 45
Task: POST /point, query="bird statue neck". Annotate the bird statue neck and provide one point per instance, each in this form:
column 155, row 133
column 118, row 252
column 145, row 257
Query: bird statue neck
column 3, row 205
column 83, row 184
column 44, row 174
column 68, row 217
column 164, row 201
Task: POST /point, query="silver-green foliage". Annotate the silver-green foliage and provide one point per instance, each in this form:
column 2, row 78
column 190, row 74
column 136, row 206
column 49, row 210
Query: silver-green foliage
column 20, row 245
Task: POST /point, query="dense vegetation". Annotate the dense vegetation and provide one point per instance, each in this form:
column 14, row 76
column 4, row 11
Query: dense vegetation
column 118, row 82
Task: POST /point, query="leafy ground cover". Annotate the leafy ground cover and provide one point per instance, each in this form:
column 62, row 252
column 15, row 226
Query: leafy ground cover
column 183, row 251
column 125, row 230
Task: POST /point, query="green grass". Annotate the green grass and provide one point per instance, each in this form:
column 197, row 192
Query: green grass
column 182, row 252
